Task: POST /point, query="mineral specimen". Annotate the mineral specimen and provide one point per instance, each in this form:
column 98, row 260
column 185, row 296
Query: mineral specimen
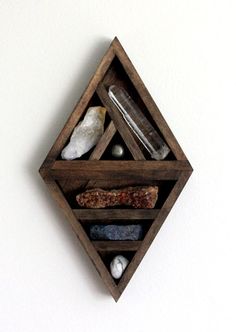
column 139, row 124
column 137, row 197
column 117, row 151
column 118, row 265
column 116, row 232
column 86, row 134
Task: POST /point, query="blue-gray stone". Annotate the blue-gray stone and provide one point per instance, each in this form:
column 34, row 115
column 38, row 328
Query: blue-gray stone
column 116, row 232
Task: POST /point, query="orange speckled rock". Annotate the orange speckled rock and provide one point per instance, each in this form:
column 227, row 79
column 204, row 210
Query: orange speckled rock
column 137, row 197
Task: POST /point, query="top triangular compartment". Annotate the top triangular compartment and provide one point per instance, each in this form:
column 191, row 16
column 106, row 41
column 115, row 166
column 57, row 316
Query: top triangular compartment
column 116, row 68
column 65, row 178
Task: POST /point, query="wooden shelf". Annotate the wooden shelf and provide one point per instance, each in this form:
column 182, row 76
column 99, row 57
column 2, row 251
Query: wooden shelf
column 111, row 170
column 96, row 169
column 114, row 214
column 116, row 245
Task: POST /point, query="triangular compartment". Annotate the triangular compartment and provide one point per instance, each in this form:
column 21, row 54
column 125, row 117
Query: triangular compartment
column 116, row 75
column 117, row 140
column 109, row 131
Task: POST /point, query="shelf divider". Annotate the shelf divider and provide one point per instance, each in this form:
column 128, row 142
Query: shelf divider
column 113, row 214
column 103, row 142
column 116, row 245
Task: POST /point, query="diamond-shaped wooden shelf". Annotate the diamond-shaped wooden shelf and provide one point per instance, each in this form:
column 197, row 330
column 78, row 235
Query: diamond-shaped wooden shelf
column 97, row 169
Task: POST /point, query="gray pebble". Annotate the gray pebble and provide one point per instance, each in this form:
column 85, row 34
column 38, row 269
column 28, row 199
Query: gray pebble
column 117, row 151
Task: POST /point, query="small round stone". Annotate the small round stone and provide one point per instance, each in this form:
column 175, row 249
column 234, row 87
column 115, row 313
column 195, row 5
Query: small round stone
column 118, row 265
column 117, row 151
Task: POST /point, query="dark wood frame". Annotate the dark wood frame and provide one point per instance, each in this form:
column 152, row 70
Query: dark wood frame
column 90, row 172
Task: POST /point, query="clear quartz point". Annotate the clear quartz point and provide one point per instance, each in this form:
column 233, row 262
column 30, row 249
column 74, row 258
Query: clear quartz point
column 138, row 123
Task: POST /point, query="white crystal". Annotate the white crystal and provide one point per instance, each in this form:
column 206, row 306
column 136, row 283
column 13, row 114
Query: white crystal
column 138, row 122
column 118, row 265
column 86, row 134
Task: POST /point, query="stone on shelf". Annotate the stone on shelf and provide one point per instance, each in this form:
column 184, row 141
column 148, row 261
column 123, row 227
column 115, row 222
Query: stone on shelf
column 137, row 197
column 117, row 151
column 116, row 232
column 118, row 266
column 86, row 134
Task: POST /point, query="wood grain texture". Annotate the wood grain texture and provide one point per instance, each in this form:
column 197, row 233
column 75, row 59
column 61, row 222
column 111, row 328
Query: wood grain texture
column 116, row 245
column 103, row 142
column 82, row 236
column 111, row 170
column 116, row 214
column 67, row 178
column 154, row 229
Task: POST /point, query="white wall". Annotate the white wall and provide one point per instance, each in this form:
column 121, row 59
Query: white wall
column 185, row 52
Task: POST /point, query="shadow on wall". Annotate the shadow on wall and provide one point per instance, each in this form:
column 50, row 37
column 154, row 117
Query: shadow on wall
column 42, row 147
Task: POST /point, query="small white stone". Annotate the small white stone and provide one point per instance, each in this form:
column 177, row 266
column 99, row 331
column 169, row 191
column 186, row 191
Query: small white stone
column 118, row 265
column 86, row 134
column 117, row 151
